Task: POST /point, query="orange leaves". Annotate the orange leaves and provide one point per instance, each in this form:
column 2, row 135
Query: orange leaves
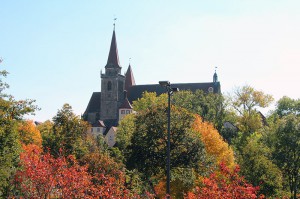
column 29, row 134
column 213, row 142
column 160, row 188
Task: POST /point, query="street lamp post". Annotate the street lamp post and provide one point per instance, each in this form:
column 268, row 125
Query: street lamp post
column 170, row 91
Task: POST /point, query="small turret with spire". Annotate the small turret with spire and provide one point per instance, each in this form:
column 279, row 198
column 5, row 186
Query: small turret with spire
column 215, row 78
column 129, row 78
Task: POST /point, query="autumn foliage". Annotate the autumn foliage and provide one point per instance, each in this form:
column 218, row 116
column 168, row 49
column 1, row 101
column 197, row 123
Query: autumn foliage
column 108, row 180
column 213, row 142
column 43, row 176
column 225, row 184
column 29, row 134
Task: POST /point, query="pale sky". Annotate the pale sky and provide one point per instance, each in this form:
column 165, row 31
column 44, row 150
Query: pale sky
column 54, row 50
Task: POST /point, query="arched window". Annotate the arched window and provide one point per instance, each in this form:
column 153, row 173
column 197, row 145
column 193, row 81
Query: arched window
column 109, row 86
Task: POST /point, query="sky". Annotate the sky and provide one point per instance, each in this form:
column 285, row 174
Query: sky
column 54, row 50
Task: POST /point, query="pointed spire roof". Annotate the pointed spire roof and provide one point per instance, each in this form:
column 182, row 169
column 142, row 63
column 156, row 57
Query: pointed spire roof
column 113, row 57
column 129, row 78
column 126, row 104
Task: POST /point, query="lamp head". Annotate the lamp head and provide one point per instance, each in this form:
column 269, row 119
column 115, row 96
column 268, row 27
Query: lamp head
column 164, row 83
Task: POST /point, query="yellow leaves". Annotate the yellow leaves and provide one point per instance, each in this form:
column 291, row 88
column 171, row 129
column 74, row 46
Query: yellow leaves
column 29, row 134
column 213, row 142
column 247, row 98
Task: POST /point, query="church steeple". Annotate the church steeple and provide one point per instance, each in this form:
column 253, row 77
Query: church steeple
column 215, row 78
column 113, row 57
column 112, row 84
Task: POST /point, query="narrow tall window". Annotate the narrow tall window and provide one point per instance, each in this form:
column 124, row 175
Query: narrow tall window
column 109, row 86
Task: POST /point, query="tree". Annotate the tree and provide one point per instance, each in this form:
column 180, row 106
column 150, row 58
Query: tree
column 245, row 102
column 108, row 177
column 258, row 168
column 287, row 150
column 210, row 106
column 29, row 134
column 183, row 179
column 213, row 142
column 9, row 155
column 44, row 176
column 248, row 99
column 143, row 138
column 144, row 142
column 45, row 128
column 286, row 106
column 125, row 131
column 3, row 85
column 148, row 143
column 69, row 133
column 226, row 184
column 11, row 111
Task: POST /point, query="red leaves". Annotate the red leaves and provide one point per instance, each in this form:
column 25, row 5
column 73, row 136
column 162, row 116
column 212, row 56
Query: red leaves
column 44, row 176
column 226, row 184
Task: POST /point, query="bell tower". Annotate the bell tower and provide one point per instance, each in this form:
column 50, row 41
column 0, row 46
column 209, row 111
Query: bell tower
column 112, row 84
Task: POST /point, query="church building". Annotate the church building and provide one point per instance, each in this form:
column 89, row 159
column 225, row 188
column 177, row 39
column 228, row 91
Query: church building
column 118, row 91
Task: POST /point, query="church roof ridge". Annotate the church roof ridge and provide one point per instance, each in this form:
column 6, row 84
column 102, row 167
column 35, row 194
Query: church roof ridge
column 187, row 83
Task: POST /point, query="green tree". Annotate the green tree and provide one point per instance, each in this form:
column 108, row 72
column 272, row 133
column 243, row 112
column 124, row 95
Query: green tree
column 258, row 168
column 11, row 112
column 144, row 141
column 210, row 106
column 286, row 106
column 9, row 154
column 287, row 150
column 45, row 128
column 148, row 143
column 69, row 133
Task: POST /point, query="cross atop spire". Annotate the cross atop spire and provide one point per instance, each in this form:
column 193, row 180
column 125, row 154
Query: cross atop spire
column 115, row 23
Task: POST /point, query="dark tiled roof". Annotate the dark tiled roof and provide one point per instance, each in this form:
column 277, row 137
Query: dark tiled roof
column 135, row 92
column 113, row 57
column 126, row 104
column 129, row 78
column 99, row 123
column 109, row 123
column 94, row 103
